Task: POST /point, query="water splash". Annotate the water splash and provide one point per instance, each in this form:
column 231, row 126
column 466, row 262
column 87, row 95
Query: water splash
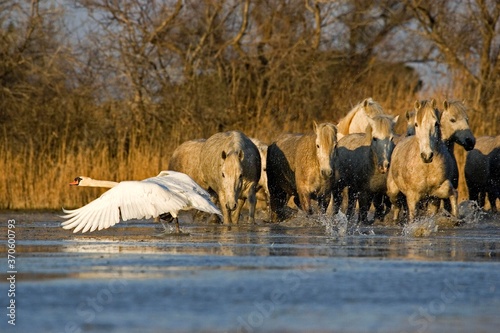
column 469, row 212
column 339, row 226
column 336, row 226
column 420, row 227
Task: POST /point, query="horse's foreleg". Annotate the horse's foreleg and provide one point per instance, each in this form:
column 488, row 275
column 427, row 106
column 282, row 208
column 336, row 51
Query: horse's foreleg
column 393, row 194
column 481, row 199
column 433, row 206
column 365, row 200
column 252, row 202
column 324, row 202
column 493, row 194
column 305, row 202
column 411, row 201
column 351, row 202
column 387, row 203
column 378, row 204
column 337, row 199
column 226, row 213
column 445, row 191
column 447, row 204
column 277, row 202
column 235, row 215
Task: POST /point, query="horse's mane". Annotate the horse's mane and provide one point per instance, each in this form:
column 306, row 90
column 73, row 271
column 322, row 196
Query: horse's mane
column 458, row 106
column 329, row 135
column 424, row 105
column 371, row 109
column 383, row 122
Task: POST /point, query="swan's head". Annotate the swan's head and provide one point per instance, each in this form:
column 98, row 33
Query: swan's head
column 81, row 181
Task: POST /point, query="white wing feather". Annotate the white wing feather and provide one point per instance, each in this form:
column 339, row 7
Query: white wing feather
column 184, row 185
column 128, row 200
column 169, row 192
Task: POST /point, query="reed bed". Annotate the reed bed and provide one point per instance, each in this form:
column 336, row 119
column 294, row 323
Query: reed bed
column 107, row 142
column 39, row 180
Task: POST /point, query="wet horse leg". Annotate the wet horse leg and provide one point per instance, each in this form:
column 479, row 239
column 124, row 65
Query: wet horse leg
column 493, row 193
column 411, row 200
column 481, row 199
column 446, row 190
column 380, row 204
column 351, row 202
column 365, row 200
column 305, row 202
column 337, row 198
column 252, row 202
column 323, row 202
column 433, row 206
column 394, row 196
column 277, row 201
column 235, row 215
column 226, row 212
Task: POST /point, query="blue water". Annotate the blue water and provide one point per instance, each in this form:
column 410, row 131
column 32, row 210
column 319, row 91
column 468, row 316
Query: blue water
column 255, row 279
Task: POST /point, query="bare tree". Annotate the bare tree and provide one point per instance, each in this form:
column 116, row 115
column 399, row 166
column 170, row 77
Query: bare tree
column 465, row 37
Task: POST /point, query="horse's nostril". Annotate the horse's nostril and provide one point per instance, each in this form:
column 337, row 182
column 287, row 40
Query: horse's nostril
column 326, row 173
column 427, row 158
column 469, row 144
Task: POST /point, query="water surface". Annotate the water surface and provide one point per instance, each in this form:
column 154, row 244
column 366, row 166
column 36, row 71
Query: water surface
column 309, row 274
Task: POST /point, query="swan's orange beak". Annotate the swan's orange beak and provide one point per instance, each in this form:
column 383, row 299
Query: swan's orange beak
column 74, row 182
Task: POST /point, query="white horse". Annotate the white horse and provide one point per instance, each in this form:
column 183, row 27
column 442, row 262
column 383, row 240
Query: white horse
column 421, row 165
column 356, row 120
column 301, row 165
column 230, row 166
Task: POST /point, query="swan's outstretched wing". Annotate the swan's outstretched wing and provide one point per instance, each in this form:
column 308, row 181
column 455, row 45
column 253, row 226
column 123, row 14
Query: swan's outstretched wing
column 185, row 186
column 128, row 200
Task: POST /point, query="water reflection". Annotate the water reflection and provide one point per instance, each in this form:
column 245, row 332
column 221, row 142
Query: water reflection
column 304, row 238
column 221, row 274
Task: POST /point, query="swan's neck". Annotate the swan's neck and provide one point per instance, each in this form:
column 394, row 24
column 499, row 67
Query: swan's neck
column 99, row 183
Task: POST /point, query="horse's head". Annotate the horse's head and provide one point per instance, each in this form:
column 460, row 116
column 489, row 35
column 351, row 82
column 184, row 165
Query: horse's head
column 410, row 121
column 326, row 143
column 357, row 119
column 371, row 108
column 232, row 177
column 380, row 134
column 427, row 128
column 455, row 125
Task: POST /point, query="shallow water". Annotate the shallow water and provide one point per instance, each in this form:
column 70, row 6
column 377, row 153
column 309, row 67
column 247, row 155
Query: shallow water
column 309, row 274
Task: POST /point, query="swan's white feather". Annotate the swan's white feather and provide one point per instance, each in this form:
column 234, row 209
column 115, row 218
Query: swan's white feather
column 184, row 185
column 168, row 192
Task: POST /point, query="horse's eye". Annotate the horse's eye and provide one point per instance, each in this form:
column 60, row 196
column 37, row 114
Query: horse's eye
column 453, row 120
column 416, row 125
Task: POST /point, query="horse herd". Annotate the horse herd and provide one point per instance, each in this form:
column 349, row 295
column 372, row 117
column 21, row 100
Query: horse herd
column 361, row 157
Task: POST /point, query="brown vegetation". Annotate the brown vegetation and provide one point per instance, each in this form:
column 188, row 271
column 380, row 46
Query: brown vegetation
column 111, row 91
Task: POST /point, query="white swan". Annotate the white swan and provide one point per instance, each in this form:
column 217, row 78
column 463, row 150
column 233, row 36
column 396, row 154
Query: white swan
column 169, row 192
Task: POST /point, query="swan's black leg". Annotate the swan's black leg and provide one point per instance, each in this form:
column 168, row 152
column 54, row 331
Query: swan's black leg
column 166, row 231
column 177, row 229
column 164, row 217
